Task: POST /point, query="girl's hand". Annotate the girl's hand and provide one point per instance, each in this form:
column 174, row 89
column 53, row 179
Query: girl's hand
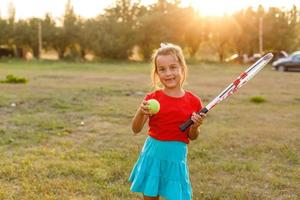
column 144, row 110
column 197, row 119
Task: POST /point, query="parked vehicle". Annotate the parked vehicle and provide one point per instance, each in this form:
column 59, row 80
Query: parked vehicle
column 6, row 52
column 278, row 54
column 243, row 59
column 290, row 63
column 235, row 58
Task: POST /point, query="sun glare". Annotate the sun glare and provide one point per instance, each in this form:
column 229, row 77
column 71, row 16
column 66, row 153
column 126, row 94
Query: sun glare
column 91, row 8
column 221, row 7
column 209, row 7
column 215, row 7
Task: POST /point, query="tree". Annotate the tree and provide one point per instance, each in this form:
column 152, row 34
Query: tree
column 60, row 44
column 65, row 36
column 195, row 31
column 22, row 37
column 11, row 21
column 48, row 32
column 87, row 35
column 33, row 40
column 275, row 29
column 250, row 27
column 116, row 34
column 245, row 36
column 3, row 32
column 162, row 22
column 294, row 26
column 149, row 33
column 221, row 35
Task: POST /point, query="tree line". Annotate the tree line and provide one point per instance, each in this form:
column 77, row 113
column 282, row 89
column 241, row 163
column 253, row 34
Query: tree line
column 129, row 24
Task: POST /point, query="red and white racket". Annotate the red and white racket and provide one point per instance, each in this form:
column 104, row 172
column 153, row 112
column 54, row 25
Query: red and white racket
column 241, row 80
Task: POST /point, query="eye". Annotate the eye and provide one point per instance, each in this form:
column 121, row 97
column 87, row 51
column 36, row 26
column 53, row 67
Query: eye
column 173, row 67
column 161, row 69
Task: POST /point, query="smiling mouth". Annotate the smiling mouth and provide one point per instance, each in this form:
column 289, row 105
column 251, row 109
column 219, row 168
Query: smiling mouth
column 171, row 79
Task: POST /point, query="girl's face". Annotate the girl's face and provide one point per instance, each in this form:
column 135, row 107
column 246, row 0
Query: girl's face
column 169, row 71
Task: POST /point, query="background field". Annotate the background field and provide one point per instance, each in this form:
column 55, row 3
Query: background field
column 69, row 137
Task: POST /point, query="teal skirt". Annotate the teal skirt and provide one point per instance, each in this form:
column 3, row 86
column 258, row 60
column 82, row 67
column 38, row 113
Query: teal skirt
column 161, row 170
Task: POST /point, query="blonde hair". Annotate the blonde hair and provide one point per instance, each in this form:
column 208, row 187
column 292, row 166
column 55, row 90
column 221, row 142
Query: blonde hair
column 168, row 49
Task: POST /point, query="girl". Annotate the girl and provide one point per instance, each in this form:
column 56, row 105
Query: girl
column 161, row 169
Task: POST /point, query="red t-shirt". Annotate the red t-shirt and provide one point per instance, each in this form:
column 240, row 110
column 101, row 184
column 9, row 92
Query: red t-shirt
column 174, row 111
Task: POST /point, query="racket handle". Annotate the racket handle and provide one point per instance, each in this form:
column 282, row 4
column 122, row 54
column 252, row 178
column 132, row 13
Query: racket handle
column 189, row 122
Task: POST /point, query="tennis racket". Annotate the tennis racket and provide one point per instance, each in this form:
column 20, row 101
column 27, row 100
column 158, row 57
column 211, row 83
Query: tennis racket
column 241, row 80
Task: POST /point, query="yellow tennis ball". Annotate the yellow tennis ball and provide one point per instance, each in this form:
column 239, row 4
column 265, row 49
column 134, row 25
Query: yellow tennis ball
column 153, row 106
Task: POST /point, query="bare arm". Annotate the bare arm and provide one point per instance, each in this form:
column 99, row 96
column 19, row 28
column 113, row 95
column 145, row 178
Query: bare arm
column 194, row 133
column 195, row 130
column 140, row 117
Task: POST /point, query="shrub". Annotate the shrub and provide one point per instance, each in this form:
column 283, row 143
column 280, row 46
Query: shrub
column 257, row 99
column 13, row 79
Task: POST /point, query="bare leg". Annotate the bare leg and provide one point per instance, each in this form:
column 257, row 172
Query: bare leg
column 151, row 198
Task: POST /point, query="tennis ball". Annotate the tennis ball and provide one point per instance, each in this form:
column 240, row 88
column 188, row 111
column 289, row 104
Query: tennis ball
column 153, row 106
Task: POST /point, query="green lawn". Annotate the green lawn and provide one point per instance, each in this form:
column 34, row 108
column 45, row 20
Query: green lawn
column 66, row 133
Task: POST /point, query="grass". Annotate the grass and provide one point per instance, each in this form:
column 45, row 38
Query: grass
column 66, row 133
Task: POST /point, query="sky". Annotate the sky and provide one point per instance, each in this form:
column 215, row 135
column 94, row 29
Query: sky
column 91, row 8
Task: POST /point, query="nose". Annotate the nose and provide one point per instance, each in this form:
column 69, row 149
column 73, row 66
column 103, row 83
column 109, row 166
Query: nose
column 168, row 72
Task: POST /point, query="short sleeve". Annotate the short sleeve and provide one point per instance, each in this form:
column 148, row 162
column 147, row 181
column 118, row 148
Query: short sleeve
column 149, row 96
column 197, row 102
column 200, row 103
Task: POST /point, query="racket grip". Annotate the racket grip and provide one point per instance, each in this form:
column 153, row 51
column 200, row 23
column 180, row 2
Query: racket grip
column 189, row 122
column 185, row 125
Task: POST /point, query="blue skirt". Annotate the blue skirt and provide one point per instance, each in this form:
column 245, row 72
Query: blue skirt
column 161, row 170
